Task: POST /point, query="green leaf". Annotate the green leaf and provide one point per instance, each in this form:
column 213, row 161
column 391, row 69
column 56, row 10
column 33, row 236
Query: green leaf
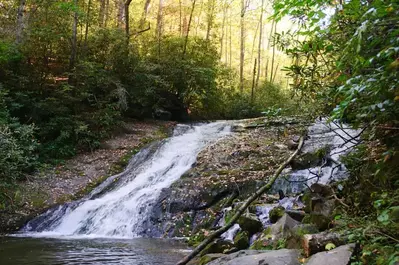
column 330, row 246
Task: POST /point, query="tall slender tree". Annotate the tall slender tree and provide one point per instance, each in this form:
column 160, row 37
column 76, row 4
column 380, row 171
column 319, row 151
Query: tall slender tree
column 20, row 21
column 74, row 37
column 273, row 54
column 242, row 43
column 260, row 43
column 188, row 28
column 211, row 17
column 159, row 26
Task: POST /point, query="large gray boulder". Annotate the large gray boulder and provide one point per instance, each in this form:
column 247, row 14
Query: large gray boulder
column 253, row 257
column 338, row 256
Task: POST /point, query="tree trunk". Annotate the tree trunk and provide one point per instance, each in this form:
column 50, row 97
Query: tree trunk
column 223, row 30
column 180, row 19
column 242, row 209
column 199, row 16
column 87, row 24
column 101, row 13
column 74, row 39
column 120, row 7
column 211, row 11
column 20, row 21
column 145, row 13
column 127, row 21
column 242, row 45
column 260, row 44
column 159, row 26
column 230, row 41
column 188, row 29
column 106, row 13
column 253, row 83
column 273, row 54
column 268, row 49
column 275, row 72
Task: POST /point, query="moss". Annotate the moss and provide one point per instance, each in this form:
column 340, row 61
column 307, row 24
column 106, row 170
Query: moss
column 276, row 213
column 241, row 240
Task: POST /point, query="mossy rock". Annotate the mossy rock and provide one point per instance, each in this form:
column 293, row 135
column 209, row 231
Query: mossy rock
column 307, row 160
column 276, row 213
column 241, row 240
column 319, row 220
column 217, row 246
column 250, row 222
column 264, row 242
column 210, row 257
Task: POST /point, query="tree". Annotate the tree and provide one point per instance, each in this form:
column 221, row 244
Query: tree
column 260, row 43
column 20, row 21
column 242, row 43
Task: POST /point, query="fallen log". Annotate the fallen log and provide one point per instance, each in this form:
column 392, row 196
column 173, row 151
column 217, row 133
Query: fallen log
column 242, row 209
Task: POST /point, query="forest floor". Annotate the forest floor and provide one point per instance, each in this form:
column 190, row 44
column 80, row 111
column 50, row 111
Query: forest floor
column 76, row 177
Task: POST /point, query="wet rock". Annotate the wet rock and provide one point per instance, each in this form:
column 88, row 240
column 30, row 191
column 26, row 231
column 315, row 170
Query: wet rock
column 270, row 237
column 241, row 240
column 217, row 246
column 276, row 213
column 284, row 226
column 249, row 257
column 294, row 239
column 323, row 190
column 306, row 160
column 321, row 221
column 161, row 114
column 292, row 145
column 314, row 243
column 209, row 257
column 324, row 207
column 338, row 256
column 250, row 222
column 296, row 214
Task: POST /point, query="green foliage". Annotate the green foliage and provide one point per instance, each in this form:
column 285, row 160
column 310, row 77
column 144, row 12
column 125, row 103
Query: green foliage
column 17, row 148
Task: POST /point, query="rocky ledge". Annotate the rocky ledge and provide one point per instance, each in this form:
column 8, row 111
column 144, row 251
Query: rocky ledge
column 295, row 217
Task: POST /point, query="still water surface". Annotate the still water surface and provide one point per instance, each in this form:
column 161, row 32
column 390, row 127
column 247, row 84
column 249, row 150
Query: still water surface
column 98, row 251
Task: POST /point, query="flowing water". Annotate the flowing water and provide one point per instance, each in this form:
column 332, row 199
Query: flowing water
column 106, row 226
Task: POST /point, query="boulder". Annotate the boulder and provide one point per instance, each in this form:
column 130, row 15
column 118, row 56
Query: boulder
column 281, row 230
column 321, row 221
column 306, row 160
column 284, row 226
column 250, row 222
column 241, row 240
column 314, row 243
column 338, row 256
column 296, row 214
column 272, row 257
column 294, row 239
column 209, row 257
column 276, row 213
column 217, row 246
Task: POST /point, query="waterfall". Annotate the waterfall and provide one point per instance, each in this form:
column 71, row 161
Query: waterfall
column 122, row 208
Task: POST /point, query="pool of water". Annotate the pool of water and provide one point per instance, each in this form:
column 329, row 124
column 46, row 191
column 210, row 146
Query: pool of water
column 99, row 251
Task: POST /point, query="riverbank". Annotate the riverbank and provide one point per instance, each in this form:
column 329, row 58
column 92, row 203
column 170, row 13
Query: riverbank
column 76, row 177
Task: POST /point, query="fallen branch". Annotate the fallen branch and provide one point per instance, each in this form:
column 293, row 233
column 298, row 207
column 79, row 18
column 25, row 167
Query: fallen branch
column 240, row 210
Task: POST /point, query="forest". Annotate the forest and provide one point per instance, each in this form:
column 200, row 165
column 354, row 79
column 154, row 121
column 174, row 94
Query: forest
column 73, row 71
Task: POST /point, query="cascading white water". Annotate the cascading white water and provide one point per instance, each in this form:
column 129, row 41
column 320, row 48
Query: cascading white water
column 123, row 211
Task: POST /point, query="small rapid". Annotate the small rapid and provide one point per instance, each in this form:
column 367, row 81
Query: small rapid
column 121, row 206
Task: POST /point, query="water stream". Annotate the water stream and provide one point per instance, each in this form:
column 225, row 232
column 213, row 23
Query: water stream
column 106, row 227
column 123, row 212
